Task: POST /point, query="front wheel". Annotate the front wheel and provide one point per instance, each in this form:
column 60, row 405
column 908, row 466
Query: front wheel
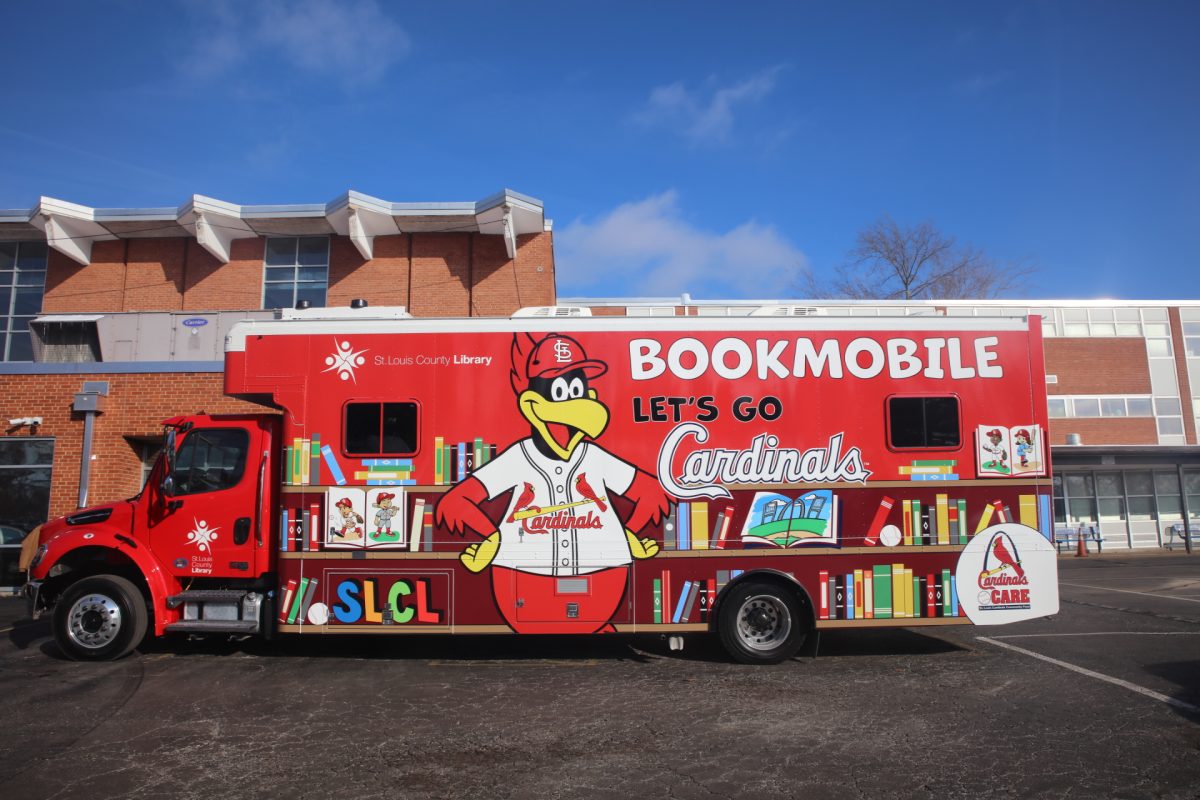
column 100, row 618
column 762, row 623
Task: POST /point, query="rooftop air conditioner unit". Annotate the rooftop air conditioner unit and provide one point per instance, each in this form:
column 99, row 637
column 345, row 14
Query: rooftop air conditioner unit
column 553, row 312
column 788, row 311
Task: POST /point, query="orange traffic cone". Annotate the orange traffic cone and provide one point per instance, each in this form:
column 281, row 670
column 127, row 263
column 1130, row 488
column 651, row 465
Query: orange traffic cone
column 1081, row 550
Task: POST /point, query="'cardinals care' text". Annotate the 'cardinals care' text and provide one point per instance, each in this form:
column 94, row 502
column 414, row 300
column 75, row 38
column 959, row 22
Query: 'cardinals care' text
column 734, row 358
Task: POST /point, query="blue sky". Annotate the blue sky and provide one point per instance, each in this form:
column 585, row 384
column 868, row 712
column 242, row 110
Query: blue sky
column 710, row 148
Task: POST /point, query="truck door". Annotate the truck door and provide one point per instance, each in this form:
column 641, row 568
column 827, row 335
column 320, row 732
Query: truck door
column 205, row 526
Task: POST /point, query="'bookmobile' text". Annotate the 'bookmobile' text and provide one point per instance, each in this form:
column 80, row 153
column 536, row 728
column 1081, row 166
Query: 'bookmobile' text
column 735, row 358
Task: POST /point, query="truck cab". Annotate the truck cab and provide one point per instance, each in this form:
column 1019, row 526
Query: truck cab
column 190, row 553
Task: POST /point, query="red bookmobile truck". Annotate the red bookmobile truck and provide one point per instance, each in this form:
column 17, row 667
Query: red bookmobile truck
column 756, row 477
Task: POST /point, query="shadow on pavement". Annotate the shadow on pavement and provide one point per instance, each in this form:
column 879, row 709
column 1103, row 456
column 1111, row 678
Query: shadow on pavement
column 1185, row 675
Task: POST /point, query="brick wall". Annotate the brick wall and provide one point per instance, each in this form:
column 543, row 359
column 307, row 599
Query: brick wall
column 98, row 287
column 1098, row 366
column 1130, row 430
column 382, row 281
column 136, row 406
column 433, row 274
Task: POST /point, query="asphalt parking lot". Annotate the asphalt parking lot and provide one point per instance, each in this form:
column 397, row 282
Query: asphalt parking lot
column 1101, row 701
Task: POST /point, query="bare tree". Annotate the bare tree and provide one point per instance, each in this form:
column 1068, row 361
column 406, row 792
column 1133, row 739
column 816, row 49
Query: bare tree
column 890, row 262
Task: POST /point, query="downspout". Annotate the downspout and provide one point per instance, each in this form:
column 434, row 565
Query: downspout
column 90, row 402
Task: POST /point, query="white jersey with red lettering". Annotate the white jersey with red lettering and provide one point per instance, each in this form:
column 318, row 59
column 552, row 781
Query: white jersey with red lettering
column 560, row 520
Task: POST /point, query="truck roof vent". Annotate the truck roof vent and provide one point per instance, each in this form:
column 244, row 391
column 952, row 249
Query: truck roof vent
column 556, row 312
column 788, row 311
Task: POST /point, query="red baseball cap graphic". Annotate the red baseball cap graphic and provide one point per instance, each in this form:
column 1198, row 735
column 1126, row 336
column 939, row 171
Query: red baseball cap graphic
column 558, row 354
column 384, row 496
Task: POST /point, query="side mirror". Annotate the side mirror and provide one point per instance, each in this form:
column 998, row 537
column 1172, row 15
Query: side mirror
column 168, row 481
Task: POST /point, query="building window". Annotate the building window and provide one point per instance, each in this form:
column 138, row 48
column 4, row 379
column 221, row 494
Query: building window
column 22, row 284
column 1139, row 488
column 1166, row 487
column 1191, row 482
column 295, row 268
column 1080, row 494
column 1100, row 406
column 25, row 468
column 1110, row 492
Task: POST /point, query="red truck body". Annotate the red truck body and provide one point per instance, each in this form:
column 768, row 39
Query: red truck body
column 757, row 477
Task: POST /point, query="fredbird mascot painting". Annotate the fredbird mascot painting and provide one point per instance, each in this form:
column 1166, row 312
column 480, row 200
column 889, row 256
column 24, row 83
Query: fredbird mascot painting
column 560, row 554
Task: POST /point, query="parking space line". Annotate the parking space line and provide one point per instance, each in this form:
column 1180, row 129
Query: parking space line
column 1171, row 701
column 1130, row 591
column 1096, row 633
column 6, row 630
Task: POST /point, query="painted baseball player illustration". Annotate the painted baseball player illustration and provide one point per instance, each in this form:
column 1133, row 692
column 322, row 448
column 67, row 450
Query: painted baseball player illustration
column 383, row 517
column 560, row 554
column 347, row 522
column 994, row 447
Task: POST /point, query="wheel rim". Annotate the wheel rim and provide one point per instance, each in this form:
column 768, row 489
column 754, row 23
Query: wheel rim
column 94, row 621
column 764, row 622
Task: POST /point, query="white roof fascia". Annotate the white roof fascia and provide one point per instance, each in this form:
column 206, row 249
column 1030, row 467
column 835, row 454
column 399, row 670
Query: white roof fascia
column 68, row 318
column 215, row 224
column 509, row 214
column 361, row 218
column 70, row 228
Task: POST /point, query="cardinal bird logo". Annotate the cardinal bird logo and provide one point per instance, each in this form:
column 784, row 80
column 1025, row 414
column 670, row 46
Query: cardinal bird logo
column 523, row 502
column 581, row 486
column 1005, row 558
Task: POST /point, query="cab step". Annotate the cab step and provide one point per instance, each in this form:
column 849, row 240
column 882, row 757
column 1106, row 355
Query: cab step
column 206, row 596
column 217, row 611
column 213, row 626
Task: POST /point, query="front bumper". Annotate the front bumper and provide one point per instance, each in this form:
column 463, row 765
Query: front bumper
column 33, row 598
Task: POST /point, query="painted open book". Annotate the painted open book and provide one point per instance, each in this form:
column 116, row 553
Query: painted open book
column 1004, row 451
column 776, row 520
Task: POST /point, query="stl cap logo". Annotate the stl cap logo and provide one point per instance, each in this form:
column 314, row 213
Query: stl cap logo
column 344, row 361
column 562, row 352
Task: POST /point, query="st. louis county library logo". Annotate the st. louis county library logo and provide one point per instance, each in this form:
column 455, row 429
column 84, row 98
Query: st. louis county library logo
column 344, row 361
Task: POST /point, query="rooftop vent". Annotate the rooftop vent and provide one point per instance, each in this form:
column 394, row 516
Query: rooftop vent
column 788, row 311
column 555, row 312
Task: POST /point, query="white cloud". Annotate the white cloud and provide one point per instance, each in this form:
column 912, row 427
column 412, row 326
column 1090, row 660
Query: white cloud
column 353, row 39
column 706, row 116
column 647, row 248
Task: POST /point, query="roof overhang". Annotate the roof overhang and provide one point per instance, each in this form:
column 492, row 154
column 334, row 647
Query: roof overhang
column 215, row 224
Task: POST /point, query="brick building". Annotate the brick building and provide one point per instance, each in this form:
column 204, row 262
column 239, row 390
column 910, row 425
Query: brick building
column 128, row 307
column 1124, row 386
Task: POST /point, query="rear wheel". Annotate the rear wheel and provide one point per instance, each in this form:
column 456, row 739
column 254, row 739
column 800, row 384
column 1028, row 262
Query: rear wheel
column 100, row 618
column 762, row 623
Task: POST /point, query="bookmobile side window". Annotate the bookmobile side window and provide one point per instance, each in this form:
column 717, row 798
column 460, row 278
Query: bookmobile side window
column 379, row 429
column 923, row 423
